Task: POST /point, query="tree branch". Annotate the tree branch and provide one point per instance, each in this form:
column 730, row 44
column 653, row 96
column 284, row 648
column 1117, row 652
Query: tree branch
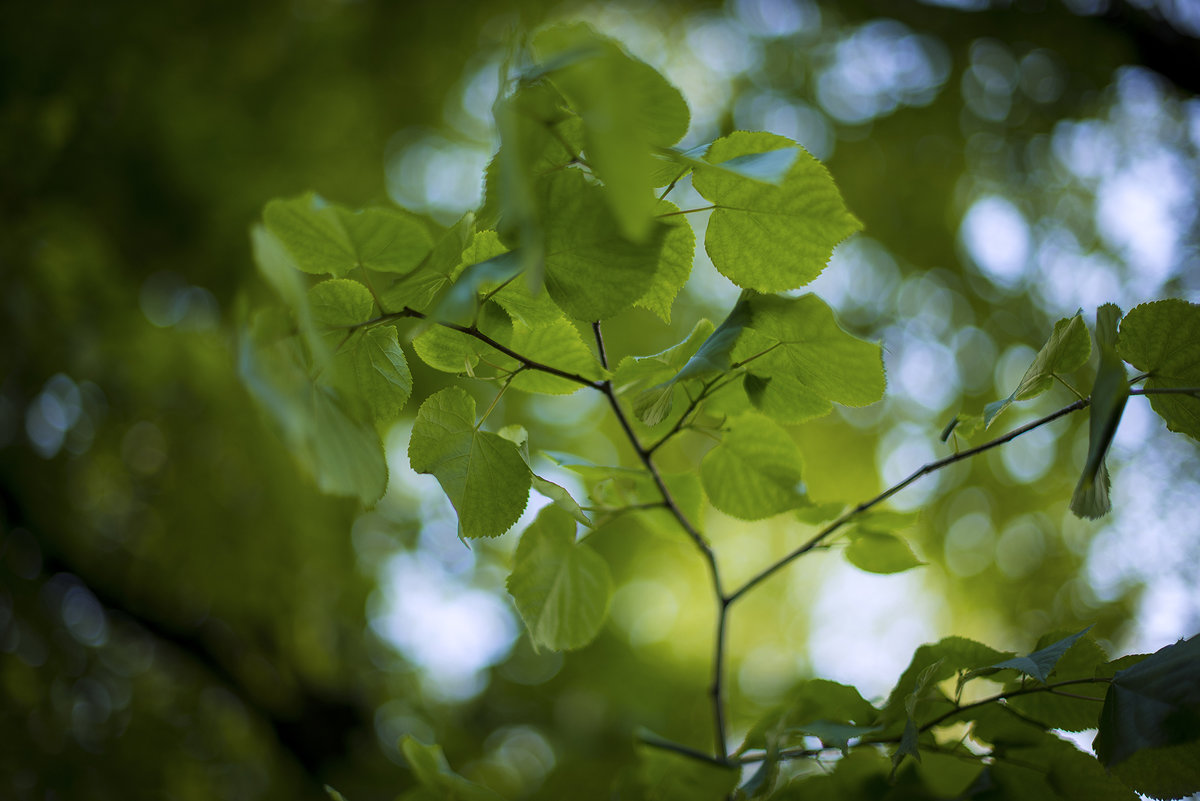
column 931, row 467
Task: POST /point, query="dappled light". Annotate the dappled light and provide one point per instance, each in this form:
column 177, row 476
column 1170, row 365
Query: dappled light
column 436, row 402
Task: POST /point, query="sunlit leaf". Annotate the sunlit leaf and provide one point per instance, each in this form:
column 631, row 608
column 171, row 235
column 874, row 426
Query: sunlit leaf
column 562, row 588
column 755, row 472
column 767, row 237
column 1163, row 339
column 1066, row 350
column 482, row 473
column 325, row 238
column 877, row 552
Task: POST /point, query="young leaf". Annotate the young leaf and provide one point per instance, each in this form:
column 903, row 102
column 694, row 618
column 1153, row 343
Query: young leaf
column 771, row 238
column 1066, row 350
column 713, row 357
column 803, row 361
column 877, row 552
column 755, row 472
column 1109, row 395
column 324, row 238
column 433, row 772
column 562, row 588
column 340, row 302
column 482, row 473
column 1040, row 663
column 592, row 270
column 559, row 495
column 370, row 366
column 627, row 108
column 1163, row 339
column 674, row 262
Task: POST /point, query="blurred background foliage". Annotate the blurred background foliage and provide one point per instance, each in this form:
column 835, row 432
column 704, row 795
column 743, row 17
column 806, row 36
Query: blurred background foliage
column 183, row 615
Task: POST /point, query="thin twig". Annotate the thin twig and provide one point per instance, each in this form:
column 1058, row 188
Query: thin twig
column 679, row 748
column 600, row 345
column 931, row 467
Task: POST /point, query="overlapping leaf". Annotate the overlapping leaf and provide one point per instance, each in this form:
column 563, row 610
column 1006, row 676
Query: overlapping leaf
column 766, row 237
column 1109, row 395
column 1163, row 339
column 756, row 470
column 482, row 473
column 562, row 588
column 627, row 109
column 1066, row 350
column 327, row 239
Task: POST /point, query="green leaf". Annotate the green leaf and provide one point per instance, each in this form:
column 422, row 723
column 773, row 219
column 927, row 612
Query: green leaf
column 343, row 454
column 562, row 588
column 636, row 372
column 461, row 301
column 1163, row 339
column 668, row 776
column 810, row 701
column 557, row 344
column 592, row 270
column 1109, row 395
column 674, row 263
column 339, row 303
column 1081, row 709
column 627, row 108
column 279, row 269
column 769, row 166
column 909, row 745
column 1153, row 709
column 453, row 351
column 713, row 357
column 334, row 794
column 559, row 495
column 952, row 654
column 482, row 473
column 1066, row 350
column 876, row 552
column 802, row 359
column 837, row 735
column 432, row 771
column 755, row 472
column 371, row 367
column 324, row 238
column 1041, row 662
column 765, row 237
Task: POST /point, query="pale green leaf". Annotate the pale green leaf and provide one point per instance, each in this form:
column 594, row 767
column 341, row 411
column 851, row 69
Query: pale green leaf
column 756, row 470
column 557, row 344
column 381, row 371
column 453, row 351
column 766, row 237
column 592, row 270
column 877, row 552
column 482, row 473
column 674, row 263
column 559, row 495
column 324, row 238
column 340, row 303
column 1163, row 339
column 1041, row 663
column 561, row 587
column 627, row 108
column 1066, row 350
column 634, row 373
column 347, row 456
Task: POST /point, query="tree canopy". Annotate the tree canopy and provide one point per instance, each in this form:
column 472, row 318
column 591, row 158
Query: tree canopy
column 621, row 397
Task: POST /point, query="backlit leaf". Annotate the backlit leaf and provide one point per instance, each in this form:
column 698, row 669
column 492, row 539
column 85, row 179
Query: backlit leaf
column 482, row 473
column 562, row 588
column 756, row 470
column 766, row 237
column 876, row 552
column 1109, row 395
column 1066, row 350
column 1163, row 339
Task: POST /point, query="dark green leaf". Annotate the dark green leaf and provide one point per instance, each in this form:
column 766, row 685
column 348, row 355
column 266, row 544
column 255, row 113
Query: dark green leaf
column 1041, row 663
column 429, row 766
column 1066, row 350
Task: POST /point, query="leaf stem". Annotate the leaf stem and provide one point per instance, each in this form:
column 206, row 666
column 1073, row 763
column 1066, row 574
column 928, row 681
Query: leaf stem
column 600, row 344
column 685, row 211
column 931, row 467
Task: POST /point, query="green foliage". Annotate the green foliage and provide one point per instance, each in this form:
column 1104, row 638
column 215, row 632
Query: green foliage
column 562, row 587
column 482, row 473
column 1162, row 339
column 1065, row 351
column 571, row 234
